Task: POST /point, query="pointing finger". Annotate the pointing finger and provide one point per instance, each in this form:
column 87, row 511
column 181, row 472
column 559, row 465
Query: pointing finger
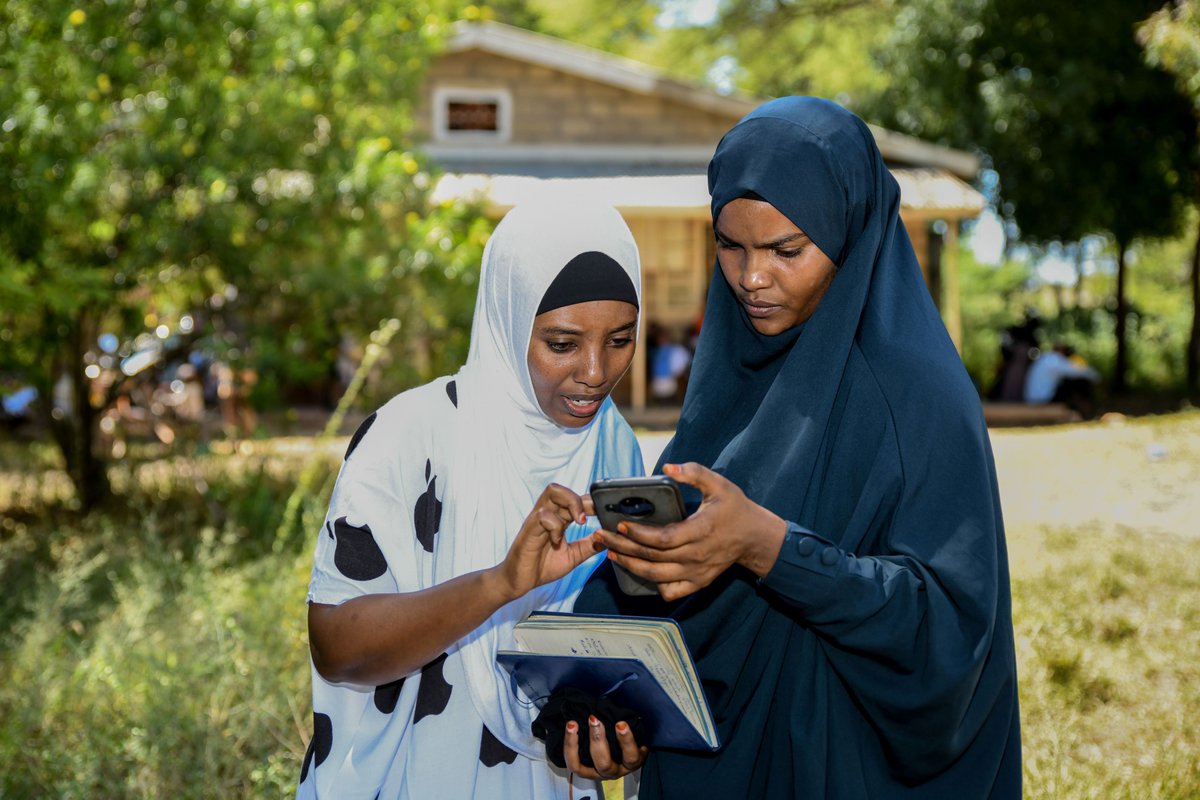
column 570, row 503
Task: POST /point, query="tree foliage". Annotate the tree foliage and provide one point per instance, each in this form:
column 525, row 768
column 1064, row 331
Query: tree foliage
column 245, row 162
column 1171, row 37
column 758, row 48
column 1085, row 135
column 623, row 27
column 780, row 47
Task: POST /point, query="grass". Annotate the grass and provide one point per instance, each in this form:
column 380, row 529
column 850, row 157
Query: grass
column 158, row 649
column 1108, row 630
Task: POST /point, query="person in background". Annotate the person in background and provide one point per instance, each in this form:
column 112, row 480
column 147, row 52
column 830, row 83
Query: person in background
column 669, row 362
column 842, row 580
column 1018, row 346
column 1060, row 376
column 16, row 403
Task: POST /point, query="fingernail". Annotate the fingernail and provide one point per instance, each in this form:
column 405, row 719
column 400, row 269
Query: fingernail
column 622, row 727
column 622, row 527
column 595, row 723
column 572, row 727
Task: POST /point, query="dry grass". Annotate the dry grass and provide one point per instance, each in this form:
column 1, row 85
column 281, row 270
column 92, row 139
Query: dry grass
column 1104, row 538
column 173, row 621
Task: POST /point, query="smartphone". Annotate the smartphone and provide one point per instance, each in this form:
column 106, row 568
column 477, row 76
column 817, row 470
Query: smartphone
column 652, row 500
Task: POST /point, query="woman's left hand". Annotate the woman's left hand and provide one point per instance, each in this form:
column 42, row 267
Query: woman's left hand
column 728, row 528
column 607, row 766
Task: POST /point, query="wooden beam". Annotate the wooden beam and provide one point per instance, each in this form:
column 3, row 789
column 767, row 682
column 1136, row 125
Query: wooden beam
column 637, row 396
column 951, row 288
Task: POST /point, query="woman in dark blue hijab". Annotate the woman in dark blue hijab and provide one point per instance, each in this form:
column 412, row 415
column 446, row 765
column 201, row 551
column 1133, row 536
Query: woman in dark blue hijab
column 843, row 583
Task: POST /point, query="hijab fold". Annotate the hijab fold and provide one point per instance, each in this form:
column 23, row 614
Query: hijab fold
column 506, row 450
column 819, row 166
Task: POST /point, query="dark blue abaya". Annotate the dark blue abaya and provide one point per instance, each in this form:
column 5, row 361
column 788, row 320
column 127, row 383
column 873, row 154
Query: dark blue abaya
column 876, row 658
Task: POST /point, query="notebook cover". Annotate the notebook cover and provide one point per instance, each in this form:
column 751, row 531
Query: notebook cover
column 626, row 681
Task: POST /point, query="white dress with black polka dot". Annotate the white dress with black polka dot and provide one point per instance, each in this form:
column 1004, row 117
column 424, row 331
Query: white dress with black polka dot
column 419, row 737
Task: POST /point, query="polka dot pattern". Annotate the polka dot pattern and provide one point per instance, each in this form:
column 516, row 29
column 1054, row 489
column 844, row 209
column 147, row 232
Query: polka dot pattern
column 385, row 522
column 388, row 695
column 357, row 556
column 433, row 693
column 427, row 515
column 359, row 434
column 492, row 751
column 319, row 745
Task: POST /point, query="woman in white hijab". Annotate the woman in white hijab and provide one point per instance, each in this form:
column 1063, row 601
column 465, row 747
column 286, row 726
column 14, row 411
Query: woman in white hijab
column 458, row 511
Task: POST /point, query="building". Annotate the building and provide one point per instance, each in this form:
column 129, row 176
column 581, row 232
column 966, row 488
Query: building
column 508, row 113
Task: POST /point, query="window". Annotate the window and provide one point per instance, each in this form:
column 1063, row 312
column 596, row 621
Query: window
column 471, row 114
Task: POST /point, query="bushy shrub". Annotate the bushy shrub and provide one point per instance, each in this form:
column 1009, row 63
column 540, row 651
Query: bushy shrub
column 194, row 684
column 158, row 649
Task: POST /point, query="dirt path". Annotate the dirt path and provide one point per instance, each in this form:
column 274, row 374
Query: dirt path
column 1139, row 475
column 1142, row 476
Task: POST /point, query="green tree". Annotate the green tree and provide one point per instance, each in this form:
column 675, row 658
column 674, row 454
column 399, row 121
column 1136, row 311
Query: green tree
column 1171, row 37
column 782, row 47
column 158, row 160
column 624, row 27
column 1086, row 137
column 777, row 47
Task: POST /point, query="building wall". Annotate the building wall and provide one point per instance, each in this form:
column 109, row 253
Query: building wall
column 677, row 260
column 550, row 107
column 554, row 107
column 677, row 255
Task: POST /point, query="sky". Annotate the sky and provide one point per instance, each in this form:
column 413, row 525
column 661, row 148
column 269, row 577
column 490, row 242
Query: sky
column 986, row 238
column 677, row 13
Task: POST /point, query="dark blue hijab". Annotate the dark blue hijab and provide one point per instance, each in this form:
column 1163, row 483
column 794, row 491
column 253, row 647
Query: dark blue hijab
column 876, row 659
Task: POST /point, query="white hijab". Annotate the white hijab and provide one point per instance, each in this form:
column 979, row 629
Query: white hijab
column 507, row 449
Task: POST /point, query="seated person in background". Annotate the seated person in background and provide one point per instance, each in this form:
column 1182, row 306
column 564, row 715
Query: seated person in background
column 1018, row 347
column 669, row 361
column 1059, row 376
column 16, row 403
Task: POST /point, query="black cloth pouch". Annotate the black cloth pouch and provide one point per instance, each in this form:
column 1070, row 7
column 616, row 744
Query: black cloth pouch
column 568, row 704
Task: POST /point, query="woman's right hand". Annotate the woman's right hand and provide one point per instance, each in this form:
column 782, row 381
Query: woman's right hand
column 541, row 553
column 378, row 638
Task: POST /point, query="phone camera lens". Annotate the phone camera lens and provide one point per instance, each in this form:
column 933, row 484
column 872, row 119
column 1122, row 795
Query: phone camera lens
column 633, row 507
